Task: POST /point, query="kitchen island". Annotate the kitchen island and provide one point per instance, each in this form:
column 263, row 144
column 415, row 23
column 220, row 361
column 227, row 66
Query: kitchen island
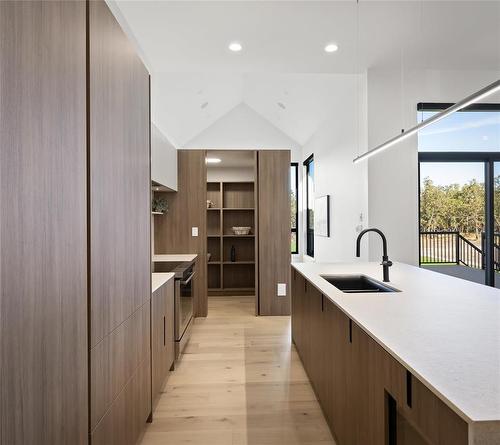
column 430, row 353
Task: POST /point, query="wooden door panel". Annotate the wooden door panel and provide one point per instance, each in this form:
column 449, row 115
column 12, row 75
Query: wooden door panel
column 120, row 217
column 43, row 225
column 274, row 230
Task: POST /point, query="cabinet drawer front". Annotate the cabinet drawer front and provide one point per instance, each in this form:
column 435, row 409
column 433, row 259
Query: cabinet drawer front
column 432, row 418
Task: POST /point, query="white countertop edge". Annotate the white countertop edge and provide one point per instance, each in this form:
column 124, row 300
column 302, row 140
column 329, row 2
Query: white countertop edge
column 489, row 422
column 158, row 258
column 158, row 279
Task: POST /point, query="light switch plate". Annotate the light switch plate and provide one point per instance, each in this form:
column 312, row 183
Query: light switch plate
column 194, row 231
column 281, row 289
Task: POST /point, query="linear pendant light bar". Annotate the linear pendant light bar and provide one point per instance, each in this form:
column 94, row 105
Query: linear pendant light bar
column 477, row 96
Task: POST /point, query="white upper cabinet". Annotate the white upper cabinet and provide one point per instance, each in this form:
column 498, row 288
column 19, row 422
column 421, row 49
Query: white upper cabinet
column 163, row 160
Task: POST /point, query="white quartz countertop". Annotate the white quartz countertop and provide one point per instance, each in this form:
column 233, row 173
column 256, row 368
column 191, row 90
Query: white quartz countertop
column 158, row 279
column 445, row 330
column 174, row 257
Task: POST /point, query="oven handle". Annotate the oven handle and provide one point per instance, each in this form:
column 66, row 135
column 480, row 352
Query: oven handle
column 188, row 280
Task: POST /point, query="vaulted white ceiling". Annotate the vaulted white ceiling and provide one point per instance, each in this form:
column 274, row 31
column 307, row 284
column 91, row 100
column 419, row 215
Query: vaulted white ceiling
column 196, row 80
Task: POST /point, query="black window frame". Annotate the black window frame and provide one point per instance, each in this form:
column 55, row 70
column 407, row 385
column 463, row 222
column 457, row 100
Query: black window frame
column 488, row 159
column 295, row 166
column 309, row 229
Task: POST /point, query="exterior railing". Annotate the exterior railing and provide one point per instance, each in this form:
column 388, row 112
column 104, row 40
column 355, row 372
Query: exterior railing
column 451, row 247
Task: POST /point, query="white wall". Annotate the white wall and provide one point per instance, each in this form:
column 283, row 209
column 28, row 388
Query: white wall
column 243, row 128
column 334, row 146
column 163, row 160
column 393, row 174
column 230, row 174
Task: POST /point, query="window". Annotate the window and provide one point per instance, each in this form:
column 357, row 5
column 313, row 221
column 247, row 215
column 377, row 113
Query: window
column 309, row 164
column 459, row 177
column 294, row 209
column 473, row 129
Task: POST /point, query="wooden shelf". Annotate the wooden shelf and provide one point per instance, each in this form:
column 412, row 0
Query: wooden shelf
column 239, row 208
column 239, row 236
column 238, row 262
column 157, row 213
column 238, row 289
column 235, row 207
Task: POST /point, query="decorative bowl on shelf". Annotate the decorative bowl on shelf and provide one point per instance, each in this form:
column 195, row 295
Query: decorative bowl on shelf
column 241, row 230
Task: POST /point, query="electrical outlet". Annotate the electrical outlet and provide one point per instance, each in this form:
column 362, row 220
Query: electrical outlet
column 194, row 231
column 281, row 289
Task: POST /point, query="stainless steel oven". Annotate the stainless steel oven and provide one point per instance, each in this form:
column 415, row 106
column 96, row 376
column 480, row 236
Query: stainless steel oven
column 184, row 293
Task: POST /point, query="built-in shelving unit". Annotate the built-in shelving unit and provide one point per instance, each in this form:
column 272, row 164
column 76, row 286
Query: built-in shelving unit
column 233, row 206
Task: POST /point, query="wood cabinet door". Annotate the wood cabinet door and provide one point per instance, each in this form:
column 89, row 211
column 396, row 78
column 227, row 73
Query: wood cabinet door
column 159, row 359
column 43, row 224
column 298, row 315
column 274, row 230
column 120, row 242
column 162, row 336
column 169, row 324
column 295, row 305
column 340, row 351
column 316, row 339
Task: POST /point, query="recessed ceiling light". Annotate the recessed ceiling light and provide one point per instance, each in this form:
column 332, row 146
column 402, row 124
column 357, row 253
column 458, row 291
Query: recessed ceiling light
column 331, row 48
column 235, row 47
column 212, row 160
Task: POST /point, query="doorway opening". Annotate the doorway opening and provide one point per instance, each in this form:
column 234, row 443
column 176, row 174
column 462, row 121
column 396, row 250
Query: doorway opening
column 232, row 235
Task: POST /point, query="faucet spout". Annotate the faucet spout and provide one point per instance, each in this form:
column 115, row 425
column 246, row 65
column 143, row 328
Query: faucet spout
column 386, row 263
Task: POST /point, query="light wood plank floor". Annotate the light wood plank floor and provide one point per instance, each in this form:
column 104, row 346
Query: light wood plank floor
column 240, row 382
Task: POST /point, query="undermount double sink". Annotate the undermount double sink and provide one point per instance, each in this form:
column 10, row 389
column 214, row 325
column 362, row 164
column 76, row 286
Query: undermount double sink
column 354, row 284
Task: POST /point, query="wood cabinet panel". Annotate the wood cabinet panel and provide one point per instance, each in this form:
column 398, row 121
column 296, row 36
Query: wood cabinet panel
column 120, row 178
column 43, row 229
column 115, row 359
column 125, row 422
column 120, row 245
column 274, row 230
column 432, row 419
column 353, row 377
column 187, row 209
column 162, row 340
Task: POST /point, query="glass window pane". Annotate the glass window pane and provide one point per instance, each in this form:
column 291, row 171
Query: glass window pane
column 496, row 223
column 293, row 245
column 461, row 131
column 452, row 218
column 294, row 168
column 293, row 196
column 310, row 206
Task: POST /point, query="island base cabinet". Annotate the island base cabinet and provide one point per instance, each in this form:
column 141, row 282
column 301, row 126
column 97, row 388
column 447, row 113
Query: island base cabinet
column 358, row 383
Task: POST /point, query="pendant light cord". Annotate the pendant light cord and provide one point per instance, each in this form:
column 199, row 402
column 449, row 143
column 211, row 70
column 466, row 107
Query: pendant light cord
column 356, row 77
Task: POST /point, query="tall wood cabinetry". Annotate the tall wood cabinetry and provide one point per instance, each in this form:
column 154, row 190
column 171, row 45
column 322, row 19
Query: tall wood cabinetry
column 75, row 240
column 356, row 380
column 274, row 231
column 120, row 257
column 43, row 224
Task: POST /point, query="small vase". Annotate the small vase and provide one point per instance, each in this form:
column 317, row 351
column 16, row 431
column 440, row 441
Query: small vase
column 233, row 254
